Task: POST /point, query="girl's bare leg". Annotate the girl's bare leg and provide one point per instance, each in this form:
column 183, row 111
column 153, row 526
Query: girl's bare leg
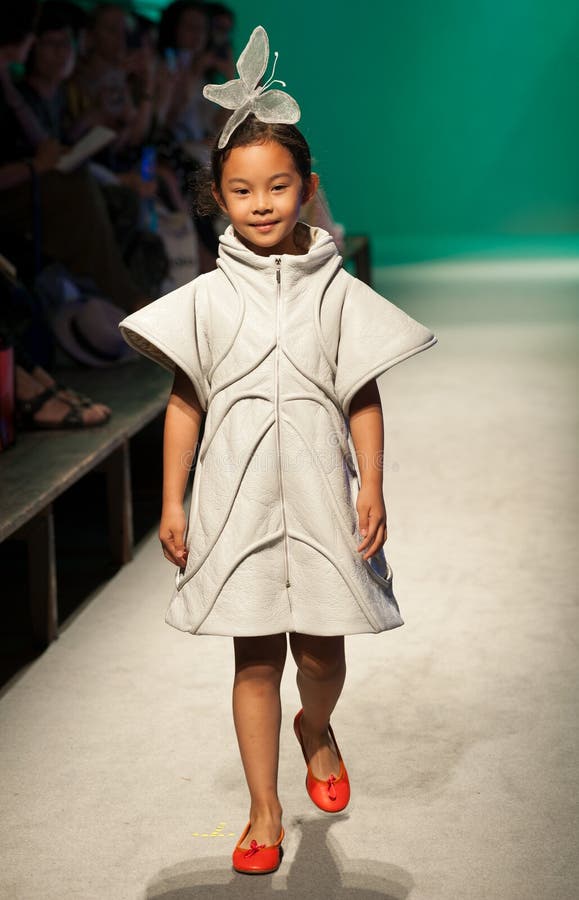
column 320, row 678
column 259, row 664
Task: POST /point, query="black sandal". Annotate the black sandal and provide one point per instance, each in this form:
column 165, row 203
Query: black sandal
column 26, row 409
column 78, row 399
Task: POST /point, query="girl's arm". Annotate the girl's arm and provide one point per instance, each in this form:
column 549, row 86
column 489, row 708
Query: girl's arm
column 367, row 429
column 182, row 423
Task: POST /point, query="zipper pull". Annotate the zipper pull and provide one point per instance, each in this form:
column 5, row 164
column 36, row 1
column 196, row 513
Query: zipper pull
column 277, row 269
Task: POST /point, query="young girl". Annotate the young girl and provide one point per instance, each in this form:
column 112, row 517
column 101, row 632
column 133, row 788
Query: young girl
column 276, row 352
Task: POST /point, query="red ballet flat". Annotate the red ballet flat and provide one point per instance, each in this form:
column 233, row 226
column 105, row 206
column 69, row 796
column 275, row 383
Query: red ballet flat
column 330, row 794
column 257, row 859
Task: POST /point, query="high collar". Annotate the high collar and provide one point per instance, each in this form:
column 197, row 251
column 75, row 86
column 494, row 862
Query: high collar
column 232, row 252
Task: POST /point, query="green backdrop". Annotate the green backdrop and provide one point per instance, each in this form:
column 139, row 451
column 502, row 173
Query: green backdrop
column 436, row 127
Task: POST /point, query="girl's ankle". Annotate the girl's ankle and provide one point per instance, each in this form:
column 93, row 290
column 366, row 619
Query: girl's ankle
column 314, row 731
column 268, row 812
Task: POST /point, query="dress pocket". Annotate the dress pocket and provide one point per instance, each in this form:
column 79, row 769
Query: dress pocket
column 179, row 574
column 192, row 516
column 379, row 568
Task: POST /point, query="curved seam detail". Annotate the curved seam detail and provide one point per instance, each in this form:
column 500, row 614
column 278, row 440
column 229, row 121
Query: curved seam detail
column 315, row 546
column 315, row 398
column 322, row 475
column 156, row 344
column 187, row 577
column 383, row 367
column 240, row 319
column 317, row 308
column 215, row 428
column 313, row 380
column 237, row 377
column 257, row 545
column 369, row 568
column 329, row 409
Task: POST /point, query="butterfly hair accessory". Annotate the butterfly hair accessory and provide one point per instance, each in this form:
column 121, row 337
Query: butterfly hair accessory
column 246, row 95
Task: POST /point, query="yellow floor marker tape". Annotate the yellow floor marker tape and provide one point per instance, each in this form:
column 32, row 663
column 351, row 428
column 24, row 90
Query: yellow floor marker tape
column 217, row 832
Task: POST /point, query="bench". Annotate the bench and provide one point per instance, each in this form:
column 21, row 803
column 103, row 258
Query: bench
column 41, row 465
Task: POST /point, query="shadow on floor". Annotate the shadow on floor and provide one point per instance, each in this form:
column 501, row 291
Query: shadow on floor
column 319, row 872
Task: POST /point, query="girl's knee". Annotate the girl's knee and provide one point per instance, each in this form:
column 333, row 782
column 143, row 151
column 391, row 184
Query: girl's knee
column 265, row 655
column 318, row 658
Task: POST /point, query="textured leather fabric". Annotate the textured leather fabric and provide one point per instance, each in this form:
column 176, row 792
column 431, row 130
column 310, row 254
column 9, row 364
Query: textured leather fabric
column 276, row 348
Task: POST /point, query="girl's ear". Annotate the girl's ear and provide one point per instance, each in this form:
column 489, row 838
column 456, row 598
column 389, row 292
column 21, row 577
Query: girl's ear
column 217, row 197
column 310, row 187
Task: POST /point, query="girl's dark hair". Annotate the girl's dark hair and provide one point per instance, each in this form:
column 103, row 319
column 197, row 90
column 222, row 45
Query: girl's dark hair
column 251, row 131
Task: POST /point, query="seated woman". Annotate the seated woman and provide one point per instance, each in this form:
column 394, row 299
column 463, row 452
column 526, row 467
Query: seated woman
column 98, row 91
column 185, row 53
column 49, row 64
column 186, row 121
column 40, row 400
column 75, row 230
column 115, row 85
column 66, row 211
column 42, row 403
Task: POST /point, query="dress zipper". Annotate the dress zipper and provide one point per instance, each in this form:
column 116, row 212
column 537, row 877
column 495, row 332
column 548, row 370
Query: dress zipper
column 278, row 293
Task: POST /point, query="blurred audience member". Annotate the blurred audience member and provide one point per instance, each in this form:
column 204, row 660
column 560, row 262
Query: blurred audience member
column 186, row 55
column 99, row 91
column 186, row 121
column 64, row 212
column 50, row 61
column 221, row 22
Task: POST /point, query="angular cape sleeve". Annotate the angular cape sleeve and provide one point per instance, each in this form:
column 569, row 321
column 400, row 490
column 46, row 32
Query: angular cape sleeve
column 374, row 336
column 169, row 332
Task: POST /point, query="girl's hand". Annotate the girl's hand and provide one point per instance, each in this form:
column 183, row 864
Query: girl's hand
column 372, row 519
column 171, row 534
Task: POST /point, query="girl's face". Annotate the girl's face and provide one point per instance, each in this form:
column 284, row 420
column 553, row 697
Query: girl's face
column 262, row 192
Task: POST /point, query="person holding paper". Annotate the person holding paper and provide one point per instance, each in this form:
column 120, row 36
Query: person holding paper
column 70, row 216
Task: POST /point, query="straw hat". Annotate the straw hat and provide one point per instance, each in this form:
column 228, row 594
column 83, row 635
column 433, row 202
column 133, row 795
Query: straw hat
column 88, row 331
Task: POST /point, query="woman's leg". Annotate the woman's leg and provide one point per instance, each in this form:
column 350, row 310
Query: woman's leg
column 320, row 678
column 54, row 409
column 259, row 664
column 77, row 231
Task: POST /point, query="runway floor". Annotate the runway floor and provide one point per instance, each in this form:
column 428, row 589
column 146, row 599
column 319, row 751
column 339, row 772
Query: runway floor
column 121, row 778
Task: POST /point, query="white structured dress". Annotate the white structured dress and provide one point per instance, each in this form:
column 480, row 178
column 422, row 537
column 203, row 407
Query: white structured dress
column 276, row 347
